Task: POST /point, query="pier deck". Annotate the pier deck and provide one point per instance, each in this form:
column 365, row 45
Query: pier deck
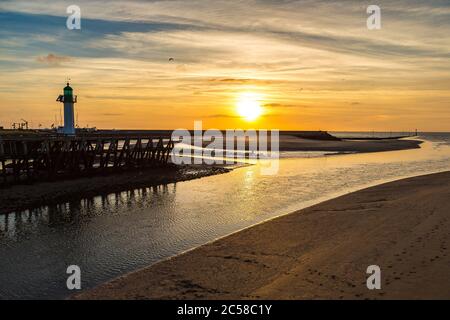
column 31, row 159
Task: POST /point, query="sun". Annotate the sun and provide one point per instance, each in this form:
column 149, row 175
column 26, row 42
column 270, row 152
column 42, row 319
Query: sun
column 249, row 106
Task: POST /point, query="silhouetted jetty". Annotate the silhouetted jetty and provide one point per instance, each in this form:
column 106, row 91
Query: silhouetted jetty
column 30, row 158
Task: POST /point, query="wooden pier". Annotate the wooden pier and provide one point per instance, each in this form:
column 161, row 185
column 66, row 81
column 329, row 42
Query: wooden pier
column 34, row 159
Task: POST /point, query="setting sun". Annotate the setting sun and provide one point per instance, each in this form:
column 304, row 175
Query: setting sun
column 249, row 106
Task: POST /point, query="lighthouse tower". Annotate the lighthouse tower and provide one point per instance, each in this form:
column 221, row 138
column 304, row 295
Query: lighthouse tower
column 69, row 113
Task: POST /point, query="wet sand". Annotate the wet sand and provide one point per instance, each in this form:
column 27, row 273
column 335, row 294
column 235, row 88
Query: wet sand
column 321, row 252
column 292, row 143
column 26, row 196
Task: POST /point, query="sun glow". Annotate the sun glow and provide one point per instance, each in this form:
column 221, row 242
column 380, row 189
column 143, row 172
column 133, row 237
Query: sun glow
column 249, row 106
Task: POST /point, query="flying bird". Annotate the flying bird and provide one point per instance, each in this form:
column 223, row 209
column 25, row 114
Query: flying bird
column 171, row 59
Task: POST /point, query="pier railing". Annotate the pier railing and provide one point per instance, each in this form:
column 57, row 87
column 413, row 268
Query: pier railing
column 40, row 159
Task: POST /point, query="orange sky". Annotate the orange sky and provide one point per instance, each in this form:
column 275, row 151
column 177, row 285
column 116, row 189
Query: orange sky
column 311, row 69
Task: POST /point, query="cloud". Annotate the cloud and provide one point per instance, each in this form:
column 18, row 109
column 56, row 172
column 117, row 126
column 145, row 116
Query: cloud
column 246, row 81
column 230, row 80
column 274, row 105
column 112, row 114
column 223, row 116
column 281, row 105
column 53, row 59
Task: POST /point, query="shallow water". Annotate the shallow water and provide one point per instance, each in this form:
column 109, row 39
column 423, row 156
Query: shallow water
column 119, row 233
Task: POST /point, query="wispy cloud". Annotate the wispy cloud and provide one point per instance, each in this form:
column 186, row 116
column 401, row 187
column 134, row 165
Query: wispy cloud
column 226, row 116
column 53, row 59
column 106, row 114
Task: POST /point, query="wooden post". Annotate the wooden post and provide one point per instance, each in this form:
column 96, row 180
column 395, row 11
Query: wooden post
column 5, row 179
column 147, row 152
column 125, row 148
column 2, row 148
column 159, row 149
column 2, row 157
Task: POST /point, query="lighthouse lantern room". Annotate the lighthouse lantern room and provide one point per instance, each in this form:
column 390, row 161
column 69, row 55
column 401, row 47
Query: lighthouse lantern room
column 69, row 113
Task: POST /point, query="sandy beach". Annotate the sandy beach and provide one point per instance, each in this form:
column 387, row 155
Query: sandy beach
column 321, row 252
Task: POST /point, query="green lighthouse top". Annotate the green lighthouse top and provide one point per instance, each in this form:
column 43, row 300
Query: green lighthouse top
column 67, row 96
column 68, row 91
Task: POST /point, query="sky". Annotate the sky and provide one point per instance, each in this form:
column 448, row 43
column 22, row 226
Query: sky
column 311, row 65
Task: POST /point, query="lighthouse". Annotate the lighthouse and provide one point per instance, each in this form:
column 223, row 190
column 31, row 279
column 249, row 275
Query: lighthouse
column 69, row 113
